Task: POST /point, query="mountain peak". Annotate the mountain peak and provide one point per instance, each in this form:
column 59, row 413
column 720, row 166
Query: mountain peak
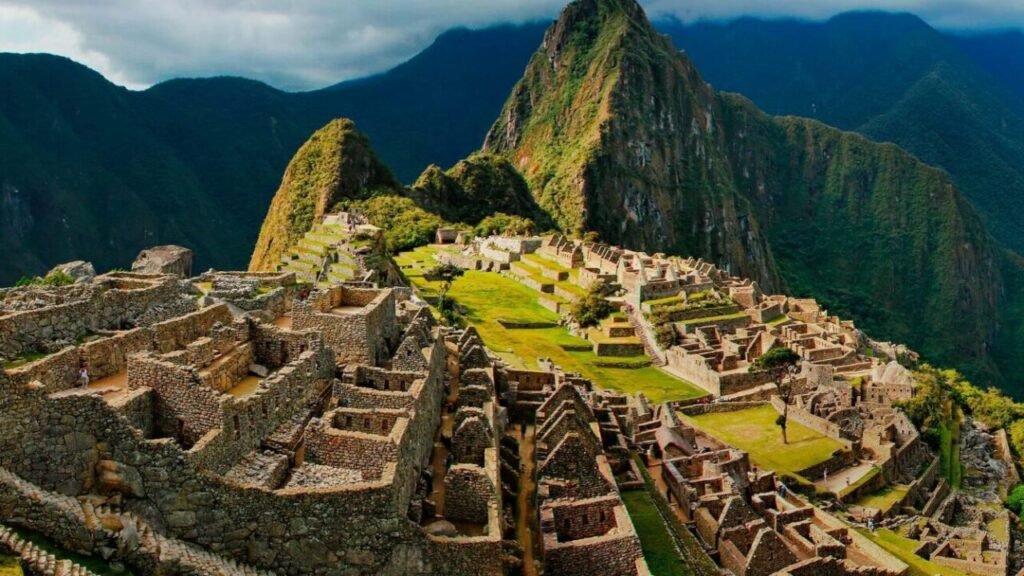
column 335, row 164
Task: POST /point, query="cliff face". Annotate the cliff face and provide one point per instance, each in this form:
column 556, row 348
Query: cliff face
column 615, row 131
column 335, row 164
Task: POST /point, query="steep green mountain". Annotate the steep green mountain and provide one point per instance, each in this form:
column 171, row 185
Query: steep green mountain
column 950, row 101
column 338, row 169
column 617, row 132
column 476, row 188
column 91, row 170
column 335, row 165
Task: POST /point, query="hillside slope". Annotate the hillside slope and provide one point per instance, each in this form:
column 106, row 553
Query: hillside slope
column 617, row 132
column 950, row 101
column 91, row 170
column 334, row 165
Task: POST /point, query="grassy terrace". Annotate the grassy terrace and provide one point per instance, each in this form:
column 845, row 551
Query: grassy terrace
column 486, row 297
column 903, row 548
column 884, row 499
column 754, row 431
column 655, row 540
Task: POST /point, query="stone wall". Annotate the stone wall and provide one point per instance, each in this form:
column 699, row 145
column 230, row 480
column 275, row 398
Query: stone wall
column 469, row 493
column 367, row 453
column 579, row 519
column 324, row 532
column 186, row 410
column 365, row 332
column 696, row 369
column 615, row 555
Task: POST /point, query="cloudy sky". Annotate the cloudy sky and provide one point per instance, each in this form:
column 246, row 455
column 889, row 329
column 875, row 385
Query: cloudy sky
column 304, row 44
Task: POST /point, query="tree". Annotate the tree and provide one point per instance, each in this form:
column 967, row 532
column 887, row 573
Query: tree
column 446, row 274
column 781, row 364
column 592, row 307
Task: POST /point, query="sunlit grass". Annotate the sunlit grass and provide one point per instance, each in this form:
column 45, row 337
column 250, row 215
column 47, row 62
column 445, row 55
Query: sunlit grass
column 755, row 431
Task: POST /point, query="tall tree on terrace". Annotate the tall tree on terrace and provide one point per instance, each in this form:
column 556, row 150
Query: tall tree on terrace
column 446, row 274
column 781, row 364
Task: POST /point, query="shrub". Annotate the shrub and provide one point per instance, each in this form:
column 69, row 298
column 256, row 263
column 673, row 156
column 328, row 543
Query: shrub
column 406, row 225
column 1016, row 500
column 592, row 307
column 501, row 223
column 58, row 278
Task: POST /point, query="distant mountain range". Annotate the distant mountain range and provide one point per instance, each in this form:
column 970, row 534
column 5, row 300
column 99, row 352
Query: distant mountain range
column 88, row 169
column 92, row 170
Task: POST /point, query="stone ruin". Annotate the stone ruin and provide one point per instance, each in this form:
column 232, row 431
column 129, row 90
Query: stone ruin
column 744, row 518
column 238, row 425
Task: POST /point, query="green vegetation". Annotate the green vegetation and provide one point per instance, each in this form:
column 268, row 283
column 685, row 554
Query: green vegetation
column 655, row 539
column 445, row 274
column 883, row 499
column 780, row 363
column 754, row 430
column 24, row 359
column 10, row 566
column 501, row 223
column 54, row 279
column 1015, row 501
column 484, row 191
column 405, row 225
column 903, row 548
column 335, row 165
column 485, row 297
column 593, row 307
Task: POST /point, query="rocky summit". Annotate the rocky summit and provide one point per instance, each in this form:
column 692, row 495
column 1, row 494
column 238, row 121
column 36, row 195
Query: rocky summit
column 647, row 329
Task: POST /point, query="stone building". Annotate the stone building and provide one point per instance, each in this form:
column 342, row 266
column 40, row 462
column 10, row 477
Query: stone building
column 281, row 435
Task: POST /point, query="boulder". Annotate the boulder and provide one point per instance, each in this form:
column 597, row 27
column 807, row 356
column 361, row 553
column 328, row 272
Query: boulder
column 80, row 270
column 168, row 259
column 441, row 528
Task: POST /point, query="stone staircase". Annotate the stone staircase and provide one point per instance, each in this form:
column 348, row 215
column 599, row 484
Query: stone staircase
column 644, row 331
column 36, row 561
column 105, row 521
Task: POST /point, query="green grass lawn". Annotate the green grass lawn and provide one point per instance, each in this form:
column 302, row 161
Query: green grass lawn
column 754, row 431
column 903, row 548
column 884, row 499
column 538, row 260
column 486, row 297
column 655, row 540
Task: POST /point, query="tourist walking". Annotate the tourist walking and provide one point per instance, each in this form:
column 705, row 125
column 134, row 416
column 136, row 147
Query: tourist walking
column 83, row 376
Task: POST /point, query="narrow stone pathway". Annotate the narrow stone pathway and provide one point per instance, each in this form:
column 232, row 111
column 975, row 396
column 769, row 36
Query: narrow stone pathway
column 526, row 516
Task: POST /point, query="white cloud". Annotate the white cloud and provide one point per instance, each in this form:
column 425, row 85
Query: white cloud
column 304, row 44
column 23, row 30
